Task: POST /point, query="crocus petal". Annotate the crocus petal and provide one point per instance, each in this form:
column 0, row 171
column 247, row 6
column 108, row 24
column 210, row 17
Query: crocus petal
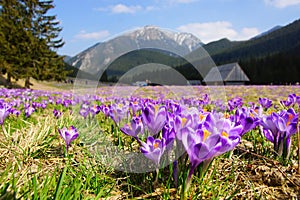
column 269, row 135
column 280, row 123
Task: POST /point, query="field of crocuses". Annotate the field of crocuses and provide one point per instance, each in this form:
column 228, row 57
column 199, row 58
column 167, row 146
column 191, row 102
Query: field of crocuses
column 126, row 142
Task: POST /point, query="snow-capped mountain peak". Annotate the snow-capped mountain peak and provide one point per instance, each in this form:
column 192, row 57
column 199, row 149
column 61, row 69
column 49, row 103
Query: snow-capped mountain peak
column 96, row 57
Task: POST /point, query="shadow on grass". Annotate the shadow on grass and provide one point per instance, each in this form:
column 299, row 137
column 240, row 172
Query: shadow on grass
column 13, row 84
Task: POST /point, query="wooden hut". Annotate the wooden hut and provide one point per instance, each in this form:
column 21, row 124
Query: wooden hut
column 228, row 74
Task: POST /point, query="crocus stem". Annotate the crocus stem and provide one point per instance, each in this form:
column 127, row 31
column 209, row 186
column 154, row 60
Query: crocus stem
column 66, row 151
column 4, row 131
column 156, row 178
column 298, row 137
column 188, row 180
column 175, row 173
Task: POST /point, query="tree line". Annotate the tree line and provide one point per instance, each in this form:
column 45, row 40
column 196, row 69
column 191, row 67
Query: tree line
column 29, row 40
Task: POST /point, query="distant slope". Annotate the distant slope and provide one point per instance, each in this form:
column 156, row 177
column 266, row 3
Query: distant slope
column 219, row 46
column 267, row 32
column 280, row 40
column 67, row 58
column 149, row 57
column 77, row 73
column 270, row 58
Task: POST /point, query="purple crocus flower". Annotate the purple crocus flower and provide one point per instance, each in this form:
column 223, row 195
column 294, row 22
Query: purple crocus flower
column 153, row 149
column 58, row 101
column 205, row 99
column 278, row 128
column 154, row 117
column 178, row 123
column 105, row 109
column 169, row 134
column 298, row 100
column 217, row 136
column 15, row 112
column 85, row 105
column 84, row 112
column 57, row 114
column 5, row 110
column 135, row 107
column 245, row 117
column 26, row 105
column 35, row 105
column 118, row 112
column 257, row 112
column 68, row 135
column 66, row 102
column 94, row 110
column 265, row 102
column 29, row 111
column 175, row 108
column 133, row 128
column 43, row 105
column 235, row 103
column 290, row 101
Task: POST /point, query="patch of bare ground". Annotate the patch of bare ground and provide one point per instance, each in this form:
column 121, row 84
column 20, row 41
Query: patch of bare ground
column 36, row 85
column 259, row 177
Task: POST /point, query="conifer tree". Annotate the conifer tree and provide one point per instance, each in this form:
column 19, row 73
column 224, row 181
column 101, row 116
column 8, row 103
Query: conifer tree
column 12, row 37
column 30, row 40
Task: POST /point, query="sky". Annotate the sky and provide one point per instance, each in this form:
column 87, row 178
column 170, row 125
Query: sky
column 87, row 22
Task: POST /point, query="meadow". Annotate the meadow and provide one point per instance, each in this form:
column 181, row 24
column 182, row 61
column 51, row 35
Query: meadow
column 126, row 142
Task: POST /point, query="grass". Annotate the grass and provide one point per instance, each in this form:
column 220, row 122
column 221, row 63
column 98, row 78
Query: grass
column 34, row 165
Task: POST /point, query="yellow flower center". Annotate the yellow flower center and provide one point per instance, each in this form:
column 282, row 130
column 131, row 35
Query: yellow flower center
column 289, row 119
column 225, row 134
column 201, row 117
column 156, row 107
column 183, row 121
column 129, row 124
column 156, row 145
column 226, row 115
column 206, row 134
column 270, row 112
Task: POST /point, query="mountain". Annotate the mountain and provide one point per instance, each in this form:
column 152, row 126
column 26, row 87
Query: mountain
column 77, row 73
column 67, row 58
column 267, row 32
column 95, row 58
column 280, row 40
column 270, row 58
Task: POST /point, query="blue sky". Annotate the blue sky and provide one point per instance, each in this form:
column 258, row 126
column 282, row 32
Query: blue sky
column 86, row 22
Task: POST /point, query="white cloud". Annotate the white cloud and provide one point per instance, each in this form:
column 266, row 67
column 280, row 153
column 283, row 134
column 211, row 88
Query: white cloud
column 150, row 8
column 247, row 33
column 125, row 9
column 212, row 31
column 122, row 9
column 92, row 35
column 282, row 3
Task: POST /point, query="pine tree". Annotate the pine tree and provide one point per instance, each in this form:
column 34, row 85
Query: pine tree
column 12, row 37
column 30, row 41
